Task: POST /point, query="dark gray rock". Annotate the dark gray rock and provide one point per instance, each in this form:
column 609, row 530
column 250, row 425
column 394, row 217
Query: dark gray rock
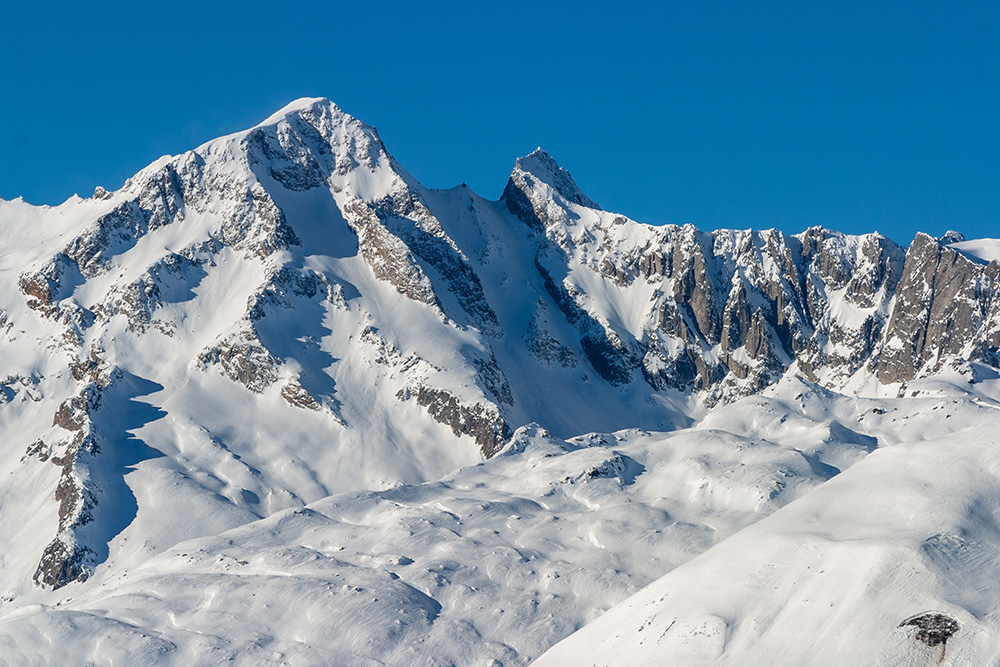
column 943, row 304
column 482, row 422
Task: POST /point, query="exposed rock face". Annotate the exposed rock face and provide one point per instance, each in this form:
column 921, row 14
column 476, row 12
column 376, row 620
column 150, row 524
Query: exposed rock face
column 391, row 260
column 433, row 246
column 601, row 345
column 242, row 358
column 933, row 629
column 546, row 347
column 481, row 421
column 729, row 312
column 69, row 557
column 946, row 309
column 732, row 311
column 172, row 275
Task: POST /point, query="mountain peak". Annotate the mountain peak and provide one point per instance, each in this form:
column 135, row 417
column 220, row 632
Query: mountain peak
column 543, row 168
column 296, row 107
column 951, row 236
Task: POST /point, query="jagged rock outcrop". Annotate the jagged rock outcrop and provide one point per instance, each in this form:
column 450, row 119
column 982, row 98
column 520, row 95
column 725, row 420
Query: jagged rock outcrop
column 69, row 556
column 735, row 310
column 482, row 421
column 242, row 358
column 730, row 311
column 946, row 309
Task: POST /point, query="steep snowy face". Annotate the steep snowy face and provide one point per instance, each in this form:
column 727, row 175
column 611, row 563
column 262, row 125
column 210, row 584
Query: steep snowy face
column 258, row 294
column 536, row 182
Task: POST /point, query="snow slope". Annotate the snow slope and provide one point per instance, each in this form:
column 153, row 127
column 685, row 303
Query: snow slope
column 495, row 561
column 833, row 578
column 498, row 561
column 985, row 250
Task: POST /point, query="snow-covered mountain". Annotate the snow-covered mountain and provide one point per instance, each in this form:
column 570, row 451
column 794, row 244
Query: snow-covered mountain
column 274, row 385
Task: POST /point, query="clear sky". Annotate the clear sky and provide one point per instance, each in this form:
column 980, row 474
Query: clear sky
column 858, row 116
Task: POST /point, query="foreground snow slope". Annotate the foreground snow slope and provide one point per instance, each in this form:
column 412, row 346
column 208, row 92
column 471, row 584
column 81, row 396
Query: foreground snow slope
column 498, row 561
column 842, row 576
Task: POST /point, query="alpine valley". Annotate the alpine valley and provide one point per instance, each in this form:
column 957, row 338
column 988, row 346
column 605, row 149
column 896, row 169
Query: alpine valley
column 273, row 402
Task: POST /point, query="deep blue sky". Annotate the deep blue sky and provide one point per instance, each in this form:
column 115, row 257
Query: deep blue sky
column 853, row 115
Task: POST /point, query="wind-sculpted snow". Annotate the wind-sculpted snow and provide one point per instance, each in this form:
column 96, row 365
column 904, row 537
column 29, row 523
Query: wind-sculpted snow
column 893, row 562
column 284, row 317
column 500, row 560
column 494, row 562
